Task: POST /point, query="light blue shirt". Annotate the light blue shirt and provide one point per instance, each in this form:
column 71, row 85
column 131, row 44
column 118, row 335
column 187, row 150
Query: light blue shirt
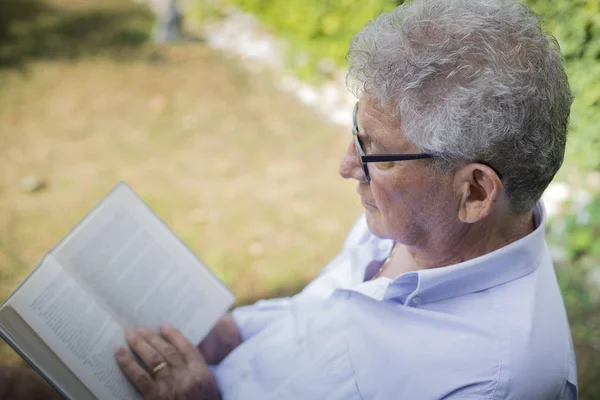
column 493, row 327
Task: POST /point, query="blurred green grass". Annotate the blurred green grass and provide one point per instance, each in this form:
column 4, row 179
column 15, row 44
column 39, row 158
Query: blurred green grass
column 244, row 174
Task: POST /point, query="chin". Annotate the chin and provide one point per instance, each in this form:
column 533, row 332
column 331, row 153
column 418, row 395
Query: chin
column 378, row 227
column 375, row 224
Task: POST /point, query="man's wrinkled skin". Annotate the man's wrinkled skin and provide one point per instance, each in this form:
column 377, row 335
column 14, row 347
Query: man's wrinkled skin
column 186, row 375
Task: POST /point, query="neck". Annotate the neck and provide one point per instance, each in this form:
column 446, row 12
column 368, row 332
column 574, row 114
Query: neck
column 465, row 242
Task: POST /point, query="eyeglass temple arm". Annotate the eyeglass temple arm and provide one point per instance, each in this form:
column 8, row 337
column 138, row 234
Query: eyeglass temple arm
column 398, row 157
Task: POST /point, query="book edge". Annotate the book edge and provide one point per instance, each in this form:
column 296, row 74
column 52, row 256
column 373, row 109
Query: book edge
column 29, row 360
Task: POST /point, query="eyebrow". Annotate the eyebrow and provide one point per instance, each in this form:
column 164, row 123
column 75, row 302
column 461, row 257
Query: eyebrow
column 372, row 139
column 363, row 131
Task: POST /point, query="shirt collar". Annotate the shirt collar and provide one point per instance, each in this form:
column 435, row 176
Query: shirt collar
column 506, row 264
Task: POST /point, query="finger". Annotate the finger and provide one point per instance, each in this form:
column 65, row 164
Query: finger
column 166, row 388
column 168, row 351
column 148, row 354
column 166, row 380
column 136, row 374
column 184, row 346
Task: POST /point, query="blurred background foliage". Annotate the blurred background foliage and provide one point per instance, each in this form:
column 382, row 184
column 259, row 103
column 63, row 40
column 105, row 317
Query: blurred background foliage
column 319, row 30
column 576, row 25
column 577, row 234
column 76, row 74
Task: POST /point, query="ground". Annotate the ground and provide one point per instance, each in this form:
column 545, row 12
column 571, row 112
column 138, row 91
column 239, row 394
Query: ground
column 244, row 174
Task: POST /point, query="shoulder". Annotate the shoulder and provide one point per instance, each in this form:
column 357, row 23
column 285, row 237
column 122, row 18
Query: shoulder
column 492, row 345
column 534, row 331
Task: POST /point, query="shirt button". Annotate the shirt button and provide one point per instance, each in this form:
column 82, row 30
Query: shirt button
column 416, row 301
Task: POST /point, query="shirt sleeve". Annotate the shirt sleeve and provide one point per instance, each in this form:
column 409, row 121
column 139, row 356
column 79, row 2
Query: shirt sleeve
column 254, row 318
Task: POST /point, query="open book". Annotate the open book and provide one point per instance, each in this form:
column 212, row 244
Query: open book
column 119, row 267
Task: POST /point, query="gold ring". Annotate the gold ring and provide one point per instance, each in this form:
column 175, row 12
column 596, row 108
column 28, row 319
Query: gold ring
column 160, row 366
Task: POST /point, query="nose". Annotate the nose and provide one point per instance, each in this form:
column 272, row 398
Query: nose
column 350, row 166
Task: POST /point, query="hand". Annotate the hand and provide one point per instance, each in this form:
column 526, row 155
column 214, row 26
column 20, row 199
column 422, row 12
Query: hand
column 221, row 340
column 183, row 375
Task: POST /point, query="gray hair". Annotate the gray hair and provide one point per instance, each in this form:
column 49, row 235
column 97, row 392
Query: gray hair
column 471, row 80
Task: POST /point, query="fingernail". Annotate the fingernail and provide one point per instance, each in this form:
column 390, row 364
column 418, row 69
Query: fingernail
column 165, row 328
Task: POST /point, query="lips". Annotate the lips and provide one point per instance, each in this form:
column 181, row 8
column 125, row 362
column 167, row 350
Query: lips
column 362, row 199
column 366, row 203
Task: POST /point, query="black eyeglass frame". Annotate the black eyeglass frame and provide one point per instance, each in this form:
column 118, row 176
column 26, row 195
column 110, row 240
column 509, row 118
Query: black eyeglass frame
column 375, row 158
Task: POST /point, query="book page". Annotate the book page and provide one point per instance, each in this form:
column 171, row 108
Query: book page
column 75, row 327
column 124, row 256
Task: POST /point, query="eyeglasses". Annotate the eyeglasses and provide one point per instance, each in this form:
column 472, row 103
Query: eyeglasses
column 374, row 158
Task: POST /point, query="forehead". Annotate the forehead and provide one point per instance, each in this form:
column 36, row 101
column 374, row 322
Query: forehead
column 380, row 124
column 373, row 113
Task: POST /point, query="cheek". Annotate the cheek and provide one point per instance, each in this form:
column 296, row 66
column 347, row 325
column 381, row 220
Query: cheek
column 398, row 216
column 407, row 205
column 434, row 206
column 394, row 205
column 396, row 190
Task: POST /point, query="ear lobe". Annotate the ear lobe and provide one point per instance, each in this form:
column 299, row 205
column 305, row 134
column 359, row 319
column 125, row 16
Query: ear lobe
column 480, row 190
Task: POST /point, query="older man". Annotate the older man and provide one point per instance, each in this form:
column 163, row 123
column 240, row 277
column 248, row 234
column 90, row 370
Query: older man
column 444, row 287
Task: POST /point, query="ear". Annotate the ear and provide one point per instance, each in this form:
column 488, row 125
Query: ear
column 479, row 189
